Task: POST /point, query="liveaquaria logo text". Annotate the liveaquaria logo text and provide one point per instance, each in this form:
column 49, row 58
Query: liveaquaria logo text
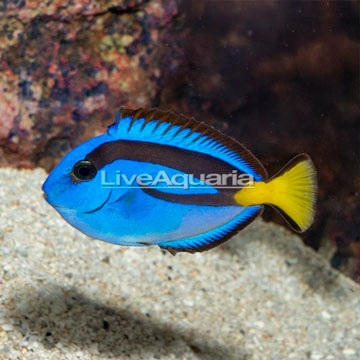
column 162, row 179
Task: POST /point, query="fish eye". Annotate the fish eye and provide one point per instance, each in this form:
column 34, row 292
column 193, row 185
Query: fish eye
column 84, row 170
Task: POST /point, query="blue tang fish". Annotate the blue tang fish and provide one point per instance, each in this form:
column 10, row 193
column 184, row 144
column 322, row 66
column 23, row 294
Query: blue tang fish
column 160, row 178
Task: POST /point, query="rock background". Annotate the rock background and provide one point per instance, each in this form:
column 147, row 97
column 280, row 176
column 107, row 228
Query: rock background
column 66, row 67
column 261, row 295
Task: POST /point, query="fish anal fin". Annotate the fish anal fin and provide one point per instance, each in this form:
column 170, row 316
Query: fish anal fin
column 215, row 237
column 171, row 250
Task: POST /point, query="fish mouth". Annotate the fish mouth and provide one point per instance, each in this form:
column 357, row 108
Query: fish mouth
column 56, row 207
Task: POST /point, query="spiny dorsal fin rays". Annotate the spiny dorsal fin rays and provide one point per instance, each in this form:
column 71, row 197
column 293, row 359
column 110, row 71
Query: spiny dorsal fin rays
column 182, row 127
column 161, row 117
column 135, row 117
column 149, row 118
column 193, row 129
column 168, row 128
column 201, row 135
column 159, row 121
column 206, row 139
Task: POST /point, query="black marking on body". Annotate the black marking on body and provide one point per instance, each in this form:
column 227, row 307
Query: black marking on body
column 192, row 125
column 223, row 198
column 186, row 161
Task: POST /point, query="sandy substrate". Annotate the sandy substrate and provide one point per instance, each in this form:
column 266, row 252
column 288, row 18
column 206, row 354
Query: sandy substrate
column 262, row 295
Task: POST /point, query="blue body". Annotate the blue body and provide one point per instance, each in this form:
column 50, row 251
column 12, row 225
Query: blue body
column 130, row 216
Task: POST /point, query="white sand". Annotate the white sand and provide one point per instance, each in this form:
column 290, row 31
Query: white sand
column 262, row 295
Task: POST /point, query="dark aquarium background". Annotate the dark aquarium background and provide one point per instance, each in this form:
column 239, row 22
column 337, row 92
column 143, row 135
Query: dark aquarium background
column 282, row 77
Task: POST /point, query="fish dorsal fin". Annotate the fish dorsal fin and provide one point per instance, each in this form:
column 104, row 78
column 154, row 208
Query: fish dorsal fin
column 215, row 237
column 168, row 128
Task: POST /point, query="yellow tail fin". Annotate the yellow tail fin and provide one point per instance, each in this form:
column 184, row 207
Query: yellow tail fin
column 293, row 191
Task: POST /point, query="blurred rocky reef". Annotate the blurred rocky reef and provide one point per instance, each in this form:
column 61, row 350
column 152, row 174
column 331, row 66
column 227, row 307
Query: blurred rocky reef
column 66, row 67
column 280, row 76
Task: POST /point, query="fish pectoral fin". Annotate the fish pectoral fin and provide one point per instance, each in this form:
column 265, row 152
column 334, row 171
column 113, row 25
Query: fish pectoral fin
column 215, row 237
